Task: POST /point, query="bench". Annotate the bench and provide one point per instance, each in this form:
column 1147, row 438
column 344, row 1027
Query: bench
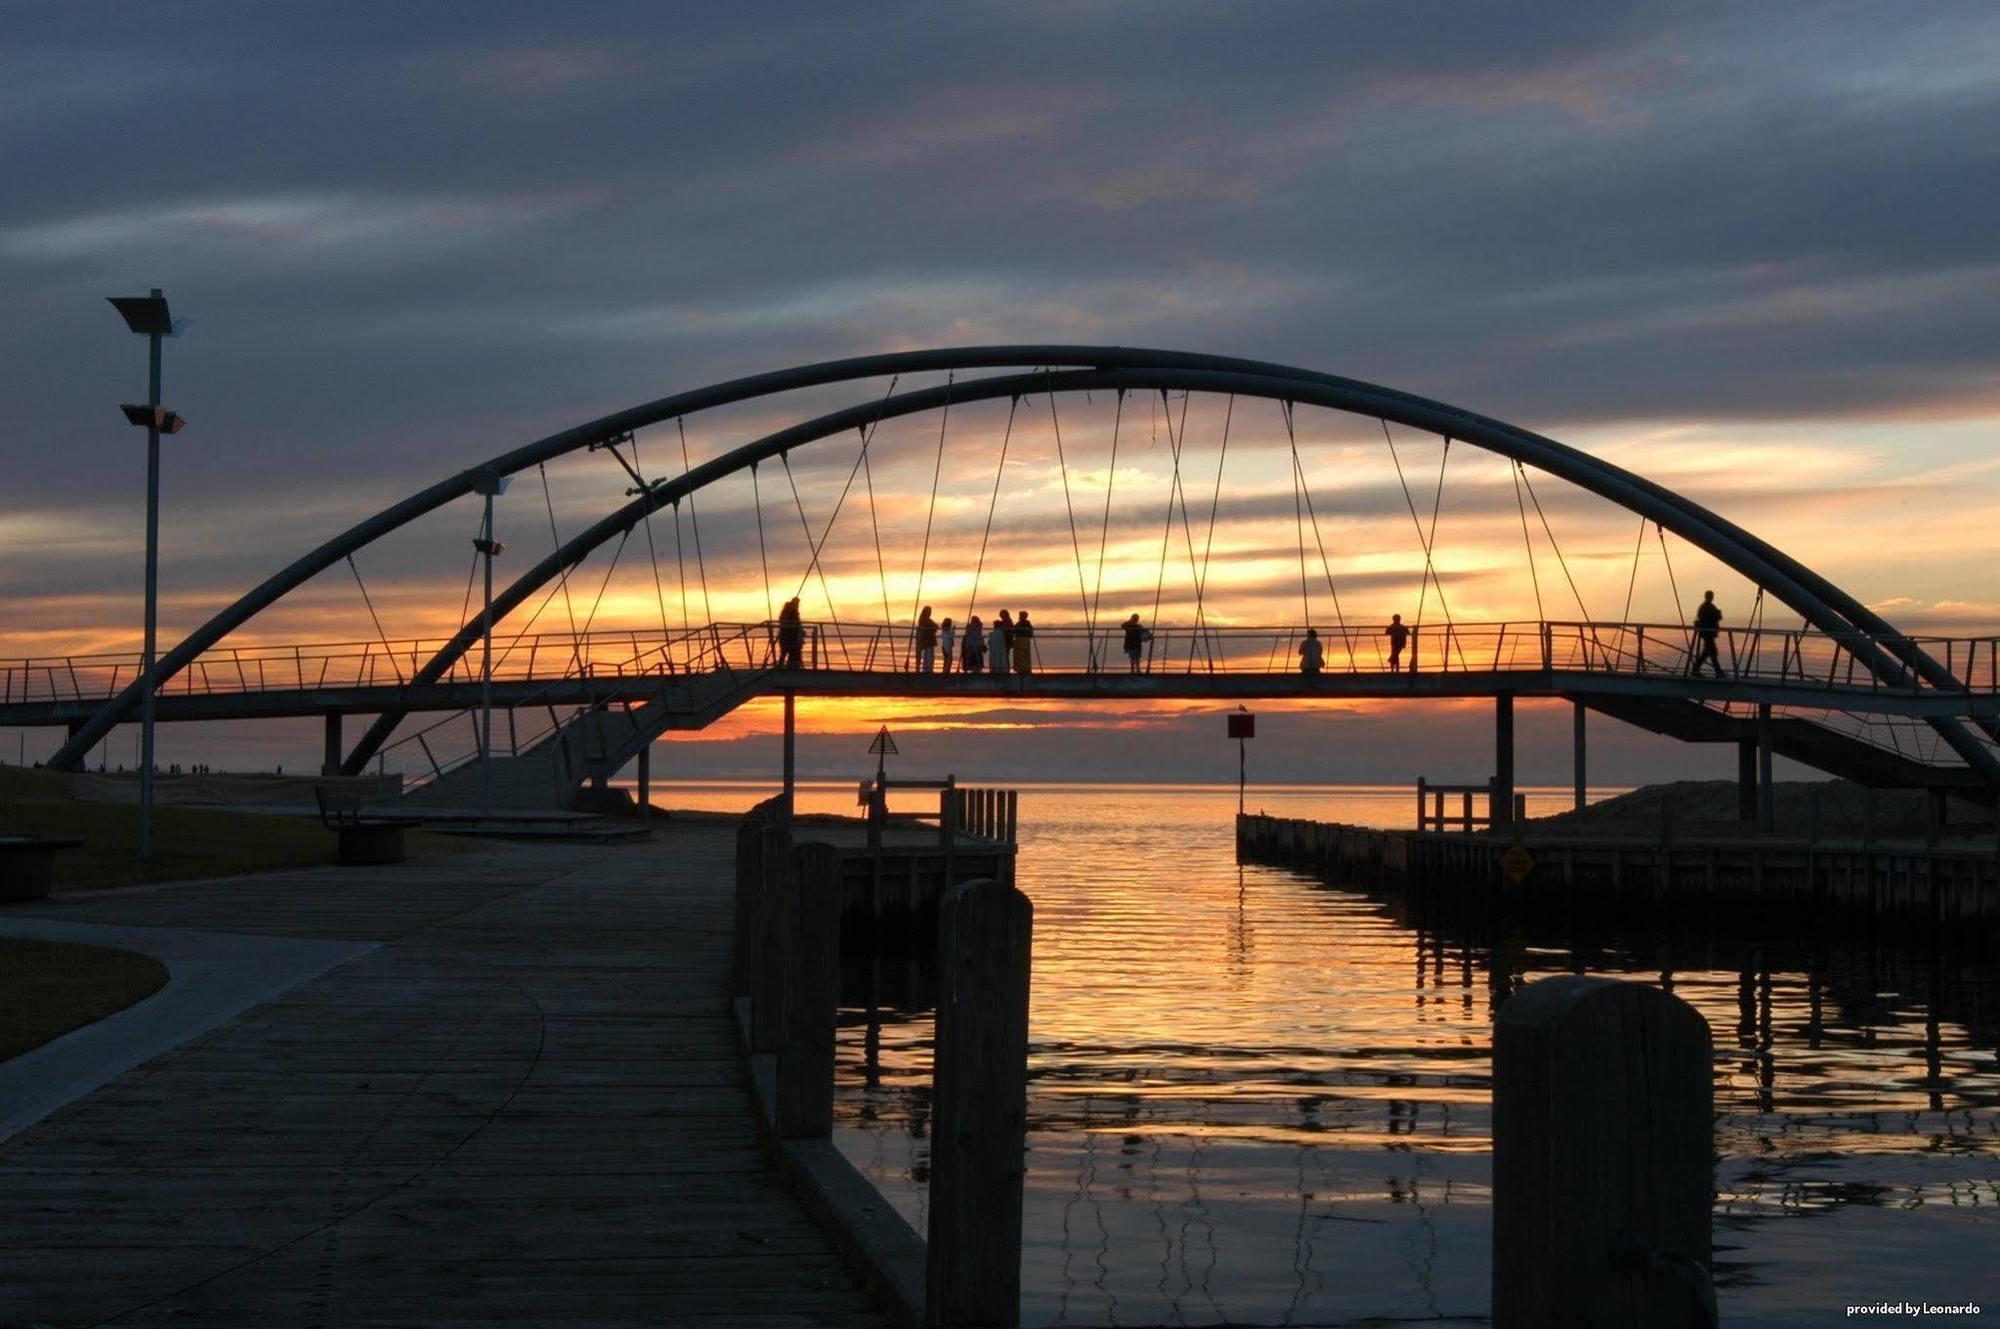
column 363, row 839
column 28, row 866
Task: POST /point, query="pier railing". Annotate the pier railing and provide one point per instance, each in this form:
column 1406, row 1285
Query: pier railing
column 1764, row 655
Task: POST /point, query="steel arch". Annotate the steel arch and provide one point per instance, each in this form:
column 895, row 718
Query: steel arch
column 1823, row 604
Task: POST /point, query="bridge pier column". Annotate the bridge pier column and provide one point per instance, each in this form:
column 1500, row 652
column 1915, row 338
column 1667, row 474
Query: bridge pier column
column 1746, row 779
column 329, row 763
column 1766, row 799
column 1501, row 811
column 1579, row 725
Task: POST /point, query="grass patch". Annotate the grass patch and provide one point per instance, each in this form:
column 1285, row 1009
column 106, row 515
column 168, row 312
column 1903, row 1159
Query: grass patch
column 188, row 843
column 48, row 988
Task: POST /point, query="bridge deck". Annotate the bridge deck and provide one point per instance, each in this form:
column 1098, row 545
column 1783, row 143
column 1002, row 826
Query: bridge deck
column 524, row 1105
column 537, row 695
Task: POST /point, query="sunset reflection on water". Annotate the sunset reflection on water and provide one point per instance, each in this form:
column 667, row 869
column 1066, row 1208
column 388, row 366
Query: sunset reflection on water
column 1259, row 1098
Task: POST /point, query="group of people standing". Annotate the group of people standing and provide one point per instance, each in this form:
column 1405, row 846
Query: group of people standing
column 1006, row 647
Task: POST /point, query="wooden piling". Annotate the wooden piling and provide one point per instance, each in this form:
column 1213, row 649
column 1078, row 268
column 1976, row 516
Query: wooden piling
column 749, row 906
column 810, row 902
column 774, row 934
column 1602, row 1158
column 979, row 1136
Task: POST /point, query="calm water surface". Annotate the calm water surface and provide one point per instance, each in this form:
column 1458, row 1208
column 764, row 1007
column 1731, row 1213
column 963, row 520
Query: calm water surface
column 1257, row 1098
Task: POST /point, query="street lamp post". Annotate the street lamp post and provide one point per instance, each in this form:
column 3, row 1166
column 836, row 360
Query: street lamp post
column 147, row 315
column 489, row 484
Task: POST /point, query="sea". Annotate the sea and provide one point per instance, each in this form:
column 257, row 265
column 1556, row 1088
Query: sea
column 1261, row 1098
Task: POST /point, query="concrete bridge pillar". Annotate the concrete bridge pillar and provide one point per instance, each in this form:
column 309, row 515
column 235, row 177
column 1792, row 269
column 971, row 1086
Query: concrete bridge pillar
column 1746, row 779
column 1501, row 810
column 330, row 759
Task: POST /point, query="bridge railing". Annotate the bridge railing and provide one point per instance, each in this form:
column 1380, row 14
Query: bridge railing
column 1769, row 655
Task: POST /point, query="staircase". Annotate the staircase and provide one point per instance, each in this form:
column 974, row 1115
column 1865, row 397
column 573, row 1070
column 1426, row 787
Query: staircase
column 591, row 744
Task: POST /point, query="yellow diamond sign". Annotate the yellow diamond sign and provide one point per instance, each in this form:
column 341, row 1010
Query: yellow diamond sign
column 1517, row 863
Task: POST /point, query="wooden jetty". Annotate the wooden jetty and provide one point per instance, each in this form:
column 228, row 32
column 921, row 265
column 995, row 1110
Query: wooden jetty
column 524, row 1105
column 1943, row 883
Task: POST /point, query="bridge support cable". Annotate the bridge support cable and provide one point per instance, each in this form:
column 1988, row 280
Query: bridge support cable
column 992, row 505
column 1208, row 541
column 1299, row 527
column 763, row 554
column 1075, row 544
column 605, row 585
column 569, row 607
column 1424, row 540
column 694, row 521
column 930, row 513
column 1632, row 584
column 1521, row 505
column 1325, row 565
column 376, row 619
column 1529, row 483
column 881, row 567
column 1104, row 532
column 1177, row 493
column 867, row 430
column 652, row 550
column 813, row 563
column 681, row 580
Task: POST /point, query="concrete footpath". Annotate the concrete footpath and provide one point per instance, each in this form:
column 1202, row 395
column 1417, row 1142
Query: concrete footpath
column 513, row 1098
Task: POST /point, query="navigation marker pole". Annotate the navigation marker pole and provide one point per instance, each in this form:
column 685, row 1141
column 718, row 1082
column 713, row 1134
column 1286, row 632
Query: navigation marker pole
column 1242, row 728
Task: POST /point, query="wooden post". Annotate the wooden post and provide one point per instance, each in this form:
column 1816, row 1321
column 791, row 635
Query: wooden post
column 1602, row 1158
column 1013, row 816
column 645, row 784
column 1766, row 795
column 980, row 1093
column 774, row 941
column 1420, row 802
column 749, row 906
column 1579, row 725
column 811, row 903
column 1501, row 811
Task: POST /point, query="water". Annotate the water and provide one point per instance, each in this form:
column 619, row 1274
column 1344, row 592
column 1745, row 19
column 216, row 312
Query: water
column 1261, row 1099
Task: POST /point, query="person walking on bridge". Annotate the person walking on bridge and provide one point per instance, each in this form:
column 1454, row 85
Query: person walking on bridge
column 1707, row 627
column 926, row 642
column 1399, row 636
column 947, row 638
column 1136, row 637
column 1024, row 645
column 791, row 636
column 1002, row 643
column 974, row 658
column 1312, row 655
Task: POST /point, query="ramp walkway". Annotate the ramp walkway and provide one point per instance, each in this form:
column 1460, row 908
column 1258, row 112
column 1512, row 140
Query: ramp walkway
column 521, row 1105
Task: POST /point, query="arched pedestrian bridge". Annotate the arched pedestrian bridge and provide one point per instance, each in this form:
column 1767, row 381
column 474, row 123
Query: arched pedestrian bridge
column 1007, row 461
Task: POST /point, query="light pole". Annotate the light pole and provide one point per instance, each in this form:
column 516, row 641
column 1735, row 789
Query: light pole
column 147, row 315
column 490, row 484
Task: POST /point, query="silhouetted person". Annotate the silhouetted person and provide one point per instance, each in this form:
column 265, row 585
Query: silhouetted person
column 1399, row 637
column 1024, row 644
column 1707, row 627
column 947, row 638
column 926, row 642
column 974, row 658
column 1001, row 642
column 1136, row 637
column 1312, row 656
column 791, row 636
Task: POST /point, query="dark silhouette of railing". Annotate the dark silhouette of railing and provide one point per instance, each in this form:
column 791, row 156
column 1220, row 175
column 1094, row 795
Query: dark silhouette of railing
column 1801, row 658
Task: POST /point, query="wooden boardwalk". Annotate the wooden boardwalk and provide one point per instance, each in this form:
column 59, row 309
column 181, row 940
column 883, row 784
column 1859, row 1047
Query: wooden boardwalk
column 525, row 1106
